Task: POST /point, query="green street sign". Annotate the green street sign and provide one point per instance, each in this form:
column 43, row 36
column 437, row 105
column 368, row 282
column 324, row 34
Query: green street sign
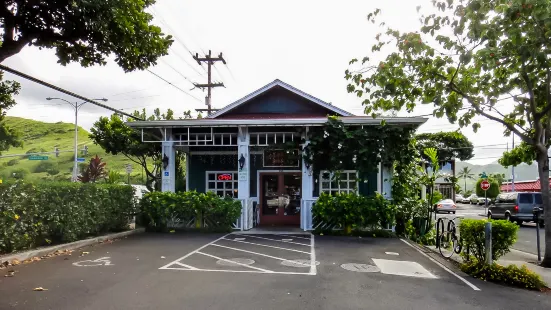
column 36, row 157
column 483, row 175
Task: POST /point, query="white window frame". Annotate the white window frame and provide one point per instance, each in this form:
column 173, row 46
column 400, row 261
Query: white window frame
column 338, row 189
column 234, row 181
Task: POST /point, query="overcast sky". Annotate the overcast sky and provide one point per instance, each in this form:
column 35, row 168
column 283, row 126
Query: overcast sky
column 305, row 43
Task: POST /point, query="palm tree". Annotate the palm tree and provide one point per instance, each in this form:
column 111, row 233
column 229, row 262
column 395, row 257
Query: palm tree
column 465, row 174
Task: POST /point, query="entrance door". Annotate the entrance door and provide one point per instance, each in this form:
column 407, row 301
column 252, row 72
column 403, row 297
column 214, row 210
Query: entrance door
column 280, row 199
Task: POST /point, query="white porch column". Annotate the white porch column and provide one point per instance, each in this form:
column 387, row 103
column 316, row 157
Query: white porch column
column 244, row 180
column 386, row 178
column 307, row 194
column 168, row 176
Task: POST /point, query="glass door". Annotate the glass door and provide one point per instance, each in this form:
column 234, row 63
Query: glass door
column 280, row 198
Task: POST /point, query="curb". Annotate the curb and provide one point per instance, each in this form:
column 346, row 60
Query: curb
column 21, row 256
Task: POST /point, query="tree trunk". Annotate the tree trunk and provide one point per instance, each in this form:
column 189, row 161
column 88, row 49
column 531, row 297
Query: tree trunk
column 465, row 186
column 543, row 171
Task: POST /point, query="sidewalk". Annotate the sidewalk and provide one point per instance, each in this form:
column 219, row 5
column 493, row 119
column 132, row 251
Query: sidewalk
column 515, row 257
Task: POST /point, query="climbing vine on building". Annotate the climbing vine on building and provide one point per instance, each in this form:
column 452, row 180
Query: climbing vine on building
column 335, row 147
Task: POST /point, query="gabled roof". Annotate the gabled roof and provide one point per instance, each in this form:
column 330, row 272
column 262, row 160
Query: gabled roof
column 286, row 86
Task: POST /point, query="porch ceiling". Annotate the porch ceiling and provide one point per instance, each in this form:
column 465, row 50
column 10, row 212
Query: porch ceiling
column 290, row 122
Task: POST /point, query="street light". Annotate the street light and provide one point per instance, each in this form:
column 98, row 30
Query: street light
column 76, row 106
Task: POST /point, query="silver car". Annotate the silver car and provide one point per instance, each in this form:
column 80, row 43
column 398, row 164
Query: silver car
column 445, row 206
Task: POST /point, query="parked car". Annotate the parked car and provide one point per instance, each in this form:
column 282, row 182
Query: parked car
column 445, row 205
column 459, row 198
column 465, row 200
column 473, row 199
column 516, row 207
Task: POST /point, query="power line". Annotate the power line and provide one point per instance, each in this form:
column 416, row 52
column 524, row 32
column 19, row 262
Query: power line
column 171, row 67
column 183, row 91
column 177, row 39
column 61, row 90
column 126, row 99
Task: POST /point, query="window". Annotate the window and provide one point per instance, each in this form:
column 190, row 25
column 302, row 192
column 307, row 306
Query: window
column 281, row 158
column 345, row 183
column 538, row 199
column 223, row 183
column 525, row 198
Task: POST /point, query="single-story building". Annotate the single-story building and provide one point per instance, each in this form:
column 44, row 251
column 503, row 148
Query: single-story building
column 522, row 186
column 237, row 152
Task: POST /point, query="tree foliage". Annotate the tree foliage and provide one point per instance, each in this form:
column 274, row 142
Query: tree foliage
column 8, row 137
column 470, row 58
column 465, row 174
column 87, row 32
column 449, row 145
column 115, row 137
column 84, row 31
column 523, row 153
column 492, row 192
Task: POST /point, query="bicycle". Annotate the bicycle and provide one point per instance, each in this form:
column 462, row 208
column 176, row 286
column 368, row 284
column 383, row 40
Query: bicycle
column 447, row 239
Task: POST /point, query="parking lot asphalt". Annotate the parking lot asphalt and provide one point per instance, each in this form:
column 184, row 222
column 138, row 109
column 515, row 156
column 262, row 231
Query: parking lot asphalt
column 235, row 271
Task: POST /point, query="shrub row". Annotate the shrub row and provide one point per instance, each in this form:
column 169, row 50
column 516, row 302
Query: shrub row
column 504, row 235
column 353, row 211
column 37, row 214
column 510, row 275
column 164, row 210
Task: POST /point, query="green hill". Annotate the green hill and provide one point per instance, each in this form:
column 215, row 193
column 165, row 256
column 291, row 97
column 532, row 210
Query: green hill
column 523, row 172
column 45, row 137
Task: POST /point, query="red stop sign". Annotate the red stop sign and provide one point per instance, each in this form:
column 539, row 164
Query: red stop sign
column 485, row 185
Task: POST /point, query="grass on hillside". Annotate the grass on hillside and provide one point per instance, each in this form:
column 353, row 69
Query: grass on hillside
column 45, row 137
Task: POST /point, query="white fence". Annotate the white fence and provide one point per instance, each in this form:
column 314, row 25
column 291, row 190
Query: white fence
column 245, row 221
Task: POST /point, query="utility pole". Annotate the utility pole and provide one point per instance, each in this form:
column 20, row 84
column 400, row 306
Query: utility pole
column 210, row 61
column 513, row 169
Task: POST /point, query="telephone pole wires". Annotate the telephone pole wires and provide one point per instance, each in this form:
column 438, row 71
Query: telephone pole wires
column 209, row 85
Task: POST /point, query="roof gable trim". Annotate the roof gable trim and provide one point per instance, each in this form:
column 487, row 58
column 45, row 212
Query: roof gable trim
column 286, row 86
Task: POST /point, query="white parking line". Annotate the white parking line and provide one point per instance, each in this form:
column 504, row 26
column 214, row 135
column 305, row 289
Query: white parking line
column 184, row 265
column 191, row 253
column 234, row 262
column 279, row 240
column 265, row 255
column 296, row 237
column 444, row 267
column 313, row 269
column 268, row 246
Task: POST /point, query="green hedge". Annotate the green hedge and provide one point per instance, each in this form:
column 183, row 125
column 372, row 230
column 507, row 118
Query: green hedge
column 510, row 275
column 164, row 210
column 37, row 214
column 353, row 211
column 504, row 235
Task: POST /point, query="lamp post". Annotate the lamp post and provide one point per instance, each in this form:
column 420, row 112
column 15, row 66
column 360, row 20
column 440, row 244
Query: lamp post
column 76, row 106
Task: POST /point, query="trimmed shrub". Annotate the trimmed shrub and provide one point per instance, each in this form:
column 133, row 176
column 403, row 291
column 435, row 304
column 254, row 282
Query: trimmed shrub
column 510, row 275
column 36, row 214
column 164, row 210
column 12, row 162
column 504, row 235
column 45, row 166
column 353, row 211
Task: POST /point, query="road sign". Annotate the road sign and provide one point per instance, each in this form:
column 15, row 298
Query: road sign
column 483, row 175
column 81, row 160
column 485, row 185
column 36, row 157
column 128, row 169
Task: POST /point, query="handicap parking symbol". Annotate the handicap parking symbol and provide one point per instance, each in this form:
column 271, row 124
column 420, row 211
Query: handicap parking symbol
column 167, row 173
